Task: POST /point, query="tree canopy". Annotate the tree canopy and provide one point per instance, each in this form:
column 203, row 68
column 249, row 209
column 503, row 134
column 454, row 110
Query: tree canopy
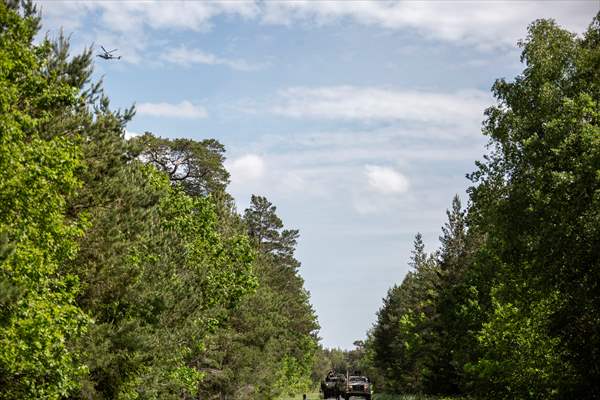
column 509, row 306
column 123, row 263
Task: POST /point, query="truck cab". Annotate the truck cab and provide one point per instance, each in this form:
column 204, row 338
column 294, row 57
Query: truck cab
column 358, row 386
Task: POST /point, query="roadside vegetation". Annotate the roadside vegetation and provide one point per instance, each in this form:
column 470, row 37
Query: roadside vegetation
column 125, row 270
column 508, row 306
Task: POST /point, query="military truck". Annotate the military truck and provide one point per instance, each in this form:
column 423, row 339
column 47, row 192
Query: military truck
column 333, row 385
column 357, row 386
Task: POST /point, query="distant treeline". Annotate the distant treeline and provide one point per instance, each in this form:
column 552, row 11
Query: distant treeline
column 509, row 306
column 125, row 270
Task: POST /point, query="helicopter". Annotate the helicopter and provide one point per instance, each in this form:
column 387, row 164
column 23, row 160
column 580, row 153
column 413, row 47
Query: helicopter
column 108, row 54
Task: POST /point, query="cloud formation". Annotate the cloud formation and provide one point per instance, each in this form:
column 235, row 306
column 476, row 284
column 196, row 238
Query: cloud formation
column 245, row 168
column 129, row 25
column 482, row 24
column 385, row 180
column 187, row 57
column 358, row 103
column 129, row 16
column 184, row 109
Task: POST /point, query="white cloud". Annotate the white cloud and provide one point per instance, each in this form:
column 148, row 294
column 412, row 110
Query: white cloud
column 356, row 103
column 128, row 16
column 185, row 56
column 385, row 180
column 249, row 167
column 485, row 24
column 185, row 109
column 128, row 24
column 482, row 24
column 350, row 167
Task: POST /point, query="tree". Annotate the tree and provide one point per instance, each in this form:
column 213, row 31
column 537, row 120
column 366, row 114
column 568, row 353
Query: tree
column 38, row 313
column 536, row 198
column 156, row 271
column 125, row 271
column 159, row 272
column 196, row 165
column 454, row 238
column 268, row 345
column 448, row 326
column 158, row 276
column 513, row 312
column 402, row 336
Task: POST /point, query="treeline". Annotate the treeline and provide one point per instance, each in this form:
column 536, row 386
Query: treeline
column 125, row 270
column 509, row 306
column 340, row 360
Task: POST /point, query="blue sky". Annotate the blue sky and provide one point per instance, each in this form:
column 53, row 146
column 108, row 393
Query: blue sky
column 357, row 119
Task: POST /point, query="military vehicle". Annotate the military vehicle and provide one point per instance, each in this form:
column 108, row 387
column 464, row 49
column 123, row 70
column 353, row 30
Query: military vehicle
column 334, row 385
column 357, row 386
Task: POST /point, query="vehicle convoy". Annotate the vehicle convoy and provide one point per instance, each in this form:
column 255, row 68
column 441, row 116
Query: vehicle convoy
column 336, row 385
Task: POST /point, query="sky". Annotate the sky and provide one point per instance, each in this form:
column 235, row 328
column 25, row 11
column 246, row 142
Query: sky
column 358, row 120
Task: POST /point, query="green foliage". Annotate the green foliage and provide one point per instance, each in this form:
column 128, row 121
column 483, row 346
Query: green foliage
column 293, row 376
column 519, row 358
column 509, row 308
column 403, row 336
column 159, row 287
column 196, row 166
column 124, row 263
column 38, row 314
column 537, row 199
column 268, row 345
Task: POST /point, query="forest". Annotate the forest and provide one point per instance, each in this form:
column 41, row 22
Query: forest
column 508, row 306
column 126, row 271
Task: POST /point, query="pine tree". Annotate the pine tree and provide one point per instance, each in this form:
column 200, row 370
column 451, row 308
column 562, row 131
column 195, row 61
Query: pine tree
column 195, row 165
column 269, row 344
